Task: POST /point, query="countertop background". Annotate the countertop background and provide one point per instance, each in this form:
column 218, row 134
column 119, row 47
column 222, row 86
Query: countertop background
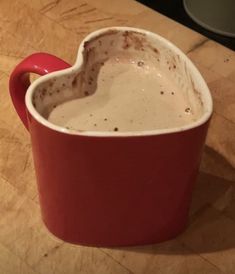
column 57, row 27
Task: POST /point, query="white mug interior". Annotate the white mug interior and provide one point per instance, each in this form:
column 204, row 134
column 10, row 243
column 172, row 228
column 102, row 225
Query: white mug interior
column 80, row 80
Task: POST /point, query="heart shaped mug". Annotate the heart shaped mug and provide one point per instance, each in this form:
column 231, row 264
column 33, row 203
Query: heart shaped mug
column 110, row 188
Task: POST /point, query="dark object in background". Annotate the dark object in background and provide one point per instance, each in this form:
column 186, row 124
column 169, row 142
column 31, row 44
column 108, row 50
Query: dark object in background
column 214, row 15
column 175, row 10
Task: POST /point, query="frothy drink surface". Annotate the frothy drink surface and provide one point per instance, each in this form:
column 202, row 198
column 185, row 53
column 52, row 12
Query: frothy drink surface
column 130, row 96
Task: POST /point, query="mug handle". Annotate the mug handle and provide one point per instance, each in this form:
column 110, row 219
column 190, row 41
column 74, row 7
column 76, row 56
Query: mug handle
column 40, row 63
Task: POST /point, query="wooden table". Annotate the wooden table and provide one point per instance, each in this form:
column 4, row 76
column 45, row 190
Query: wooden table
column 57, row 27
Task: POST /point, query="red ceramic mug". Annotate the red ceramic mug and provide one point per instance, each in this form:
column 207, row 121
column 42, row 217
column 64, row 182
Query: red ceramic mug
column 111, row 188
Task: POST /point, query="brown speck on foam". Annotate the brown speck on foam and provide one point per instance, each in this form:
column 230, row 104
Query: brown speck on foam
column 93, row 69
column 161, row 92
column 91, row 115
column 106, row 52
column 155, row 50
column 34, row 104
column 95, row 125
column 115, row 129
column 50, row 93
column 169, row 68
column 44, row 91
column 74, row 82
column 158, row 59
column 105, row 119
column 63, row 85
column 57, row 90
column 140, row 63
column 54, row 106
column 126, row 44
column 125, row 33
column 187, row 110
column 51, row 83
column 174, row 66
column 102, row 63
column 86, row 93
column 172, row 93
column 226, row 60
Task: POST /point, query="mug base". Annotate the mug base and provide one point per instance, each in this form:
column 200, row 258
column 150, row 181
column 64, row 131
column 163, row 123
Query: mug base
column 117, row 242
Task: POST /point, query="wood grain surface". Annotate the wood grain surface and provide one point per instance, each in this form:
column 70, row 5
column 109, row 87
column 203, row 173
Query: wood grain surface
column 57, row 27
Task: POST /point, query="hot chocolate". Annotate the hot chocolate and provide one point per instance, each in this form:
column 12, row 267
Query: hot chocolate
column 130, row 96
column 125, row 83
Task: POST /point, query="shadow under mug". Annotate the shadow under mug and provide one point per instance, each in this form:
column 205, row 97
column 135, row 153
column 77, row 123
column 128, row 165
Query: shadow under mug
column 110, row 188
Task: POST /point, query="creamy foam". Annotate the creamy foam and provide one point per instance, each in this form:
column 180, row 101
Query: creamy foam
column 126, row 81
column 130, row 95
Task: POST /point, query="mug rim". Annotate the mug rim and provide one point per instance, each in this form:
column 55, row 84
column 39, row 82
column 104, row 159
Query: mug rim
column 78, row 63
